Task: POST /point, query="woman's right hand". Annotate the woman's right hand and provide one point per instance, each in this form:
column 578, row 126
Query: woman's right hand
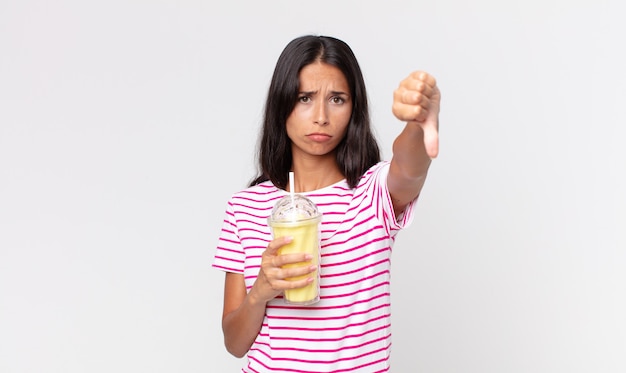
column 272, row 278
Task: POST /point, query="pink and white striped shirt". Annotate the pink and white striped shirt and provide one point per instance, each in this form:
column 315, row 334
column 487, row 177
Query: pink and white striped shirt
column 349, row 329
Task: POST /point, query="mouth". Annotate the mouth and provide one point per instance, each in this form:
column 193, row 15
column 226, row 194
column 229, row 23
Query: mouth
column 319, row 137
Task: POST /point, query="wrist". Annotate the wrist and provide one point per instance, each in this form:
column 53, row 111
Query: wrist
column 254, row 300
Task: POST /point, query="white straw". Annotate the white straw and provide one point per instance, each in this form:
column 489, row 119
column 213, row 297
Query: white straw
column 291, row 192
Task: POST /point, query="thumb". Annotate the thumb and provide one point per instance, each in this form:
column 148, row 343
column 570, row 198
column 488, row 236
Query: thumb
column 431, row 140
column 431, row 126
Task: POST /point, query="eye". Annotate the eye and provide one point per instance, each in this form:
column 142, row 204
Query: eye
column 304, row 99
column 337, row 100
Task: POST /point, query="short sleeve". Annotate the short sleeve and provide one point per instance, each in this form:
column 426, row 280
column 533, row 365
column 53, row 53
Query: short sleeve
column 386, row 212
column 229, row 256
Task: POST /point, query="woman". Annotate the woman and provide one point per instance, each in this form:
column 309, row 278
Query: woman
column 317, row 125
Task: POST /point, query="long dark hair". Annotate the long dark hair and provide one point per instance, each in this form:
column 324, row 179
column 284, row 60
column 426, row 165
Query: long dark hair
column 358, row 150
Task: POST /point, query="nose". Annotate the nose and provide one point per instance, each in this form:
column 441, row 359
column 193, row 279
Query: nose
column 321, row 114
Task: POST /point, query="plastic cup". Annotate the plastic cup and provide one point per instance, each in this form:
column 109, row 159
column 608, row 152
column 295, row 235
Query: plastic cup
column 298, row 217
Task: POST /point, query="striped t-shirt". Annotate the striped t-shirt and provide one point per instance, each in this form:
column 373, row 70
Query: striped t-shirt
column 349, row 329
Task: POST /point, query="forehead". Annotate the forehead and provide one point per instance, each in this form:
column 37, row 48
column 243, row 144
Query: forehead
column 322, row 74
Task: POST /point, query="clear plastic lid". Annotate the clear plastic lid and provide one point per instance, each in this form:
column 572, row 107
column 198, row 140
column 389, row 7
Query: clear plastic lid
column 298, row 208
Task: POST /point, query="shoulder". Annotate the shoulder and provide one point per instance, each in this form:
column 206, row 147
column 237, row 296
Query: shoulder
column 255, row 198
column 376, row 173
column 382, row 165
column 261, row 190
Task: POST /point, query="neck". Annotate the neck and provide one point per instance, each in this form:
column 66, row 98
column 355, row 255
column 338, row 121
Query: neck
column 315, row 175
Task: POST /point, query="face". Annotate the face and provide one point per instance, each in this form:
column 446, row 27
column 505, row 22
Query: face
column 320, row 118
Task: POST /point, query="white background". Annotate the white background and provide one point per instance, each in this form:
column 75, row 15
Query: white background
column 126, row 125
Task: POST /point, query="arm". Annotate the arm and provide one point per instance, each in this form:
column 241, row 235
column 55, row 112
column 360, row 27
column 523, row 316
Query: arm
column 416, row 101
column 243, row 311
column 242, row 315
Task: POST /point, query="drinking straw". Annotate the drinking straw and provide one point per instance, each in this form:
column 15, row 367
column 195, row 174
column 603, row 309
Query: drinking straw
column 291, row 193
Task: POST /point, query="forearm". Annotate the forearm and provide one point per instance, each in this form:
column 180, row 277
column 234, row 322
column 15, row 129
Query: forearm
column 410, row 160
column 409, row 166
column 242, row 325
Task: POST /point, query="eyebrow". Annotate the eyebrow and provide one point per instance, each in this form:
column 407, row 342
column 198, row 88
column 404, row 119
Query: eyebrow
column 336, row 93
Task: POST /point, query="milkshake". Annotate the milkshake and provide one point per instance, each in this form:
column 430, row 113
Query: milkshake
column 298, row 217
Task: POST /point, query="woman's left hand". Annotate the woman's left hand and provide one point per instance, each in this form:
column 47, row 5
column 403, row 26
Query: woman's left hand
column 417, row 100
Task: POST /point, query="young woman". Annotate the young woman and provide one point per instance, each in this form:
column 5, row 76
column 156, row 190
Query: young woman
column 317, row 125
